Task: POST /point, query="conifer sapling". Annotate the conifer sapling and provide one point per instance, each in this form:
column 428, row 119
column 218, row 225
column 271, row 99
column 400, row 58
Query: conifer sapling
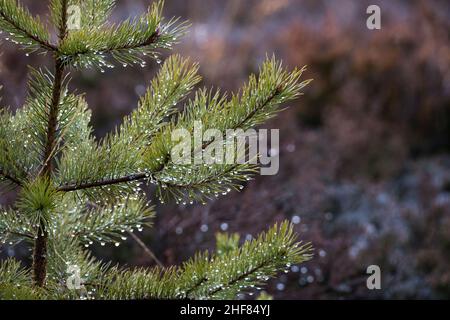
column 74, row 190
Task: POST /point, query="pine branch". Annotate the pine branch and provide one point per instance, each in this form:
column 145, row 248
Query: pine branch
column 64, row 253
column 173, row 82
column 15, row 226
column 126, row 179
column 250, row 265
column 226, row 242
column 258, row 102
column 108, row 163
column 23, row 136
column 203, row 182
column 23, row 28
column 15, row 283
column 240, row 278
column 274, row 85
column 126, row 42
column 10, row 170
column 108, row 222
column 210, row 276
column 140, row 284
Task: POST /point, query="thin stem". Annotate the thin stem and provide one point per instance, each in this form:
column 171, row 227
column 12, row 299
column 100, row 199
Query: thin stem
column 146, row 249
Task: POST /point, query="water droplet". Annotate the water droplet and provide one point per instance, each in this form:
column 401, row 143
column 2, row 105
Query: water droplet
column 280, row 286
column 296, row 219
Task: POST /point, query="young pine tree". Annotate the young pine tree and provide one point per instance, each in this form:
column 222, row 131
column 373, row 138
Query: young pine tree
column 74, row 190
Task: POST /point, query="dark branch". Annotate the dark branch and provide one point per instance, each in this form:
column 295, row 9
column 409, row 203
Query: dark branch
column 19, row 234
column 10, row 178
column 102, row 183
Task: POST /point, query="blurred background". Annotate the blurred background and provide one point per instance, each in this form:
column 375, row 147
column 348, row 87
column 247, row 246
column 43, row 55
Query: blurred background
column 364, row 154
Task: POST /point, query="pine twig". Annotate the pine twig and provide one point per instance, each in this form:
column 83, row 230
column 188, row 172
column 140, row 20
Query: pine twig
column 44, row 44
column 142, row 176
column 102, row 183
